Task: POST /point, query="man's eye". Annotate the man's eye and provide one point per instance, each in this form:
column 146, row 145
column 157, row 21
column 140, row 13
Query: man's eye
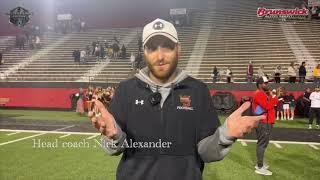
column 152, row 47
column 169, row 46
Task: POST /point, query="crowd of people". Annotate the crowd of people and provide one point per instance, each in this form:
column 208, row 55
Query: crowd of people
column 30, row 38
column 295, row 73
column 66, row 26
column 101, row 50
column 285, row 108
column 84, row 98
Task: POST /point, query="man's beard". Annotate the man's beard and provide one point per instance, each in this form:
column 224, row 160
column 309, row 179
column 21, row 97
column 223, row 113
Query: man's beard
column 266, row 88
column 163, row 75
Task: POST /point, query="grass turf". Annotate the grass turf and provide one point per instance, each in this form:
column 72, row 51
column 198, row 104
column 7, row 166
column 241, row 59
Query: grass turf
column 72, row 116
column 43, row 115
column 20, row 160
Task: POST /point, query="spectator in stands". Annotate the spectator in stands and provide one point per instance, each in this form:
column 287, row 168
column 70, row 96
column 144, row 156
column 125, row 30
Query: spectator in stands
column 263, row 104
column 306, row 102
column 110, row 51
column 76, row 56
column 315, row 107
column 229, row 75
column 37, row 42
column 82, row 56
column 249, row 72
column 302, row 72
column 102, row 51
column 116, row 49
column 0, row 58
column 261, row 71
column 277, row 74
column 83, row 26
column 316, row 75
column 292, row 106
column 97, row 52
column 88, row 50
column 132, row 60
column 215, row 74
column 279, row 110
column 94, row 45
column 123, row 52
column 292, row 73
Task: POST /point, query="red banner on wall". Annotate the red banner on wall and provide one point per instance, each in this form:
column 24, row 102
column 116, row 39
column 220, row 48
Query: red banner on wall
column 38, row 97
column 60, row 97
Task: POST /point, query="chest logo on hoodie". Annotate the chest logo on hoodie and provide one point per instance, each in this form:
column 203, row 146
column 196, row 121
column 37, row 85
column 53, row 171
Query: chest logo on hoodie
column 141, row 102
column 185, row 103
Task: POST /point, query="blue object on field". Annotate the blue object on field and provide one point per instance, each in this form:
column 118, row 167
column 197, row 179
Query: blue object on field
column 259, row 110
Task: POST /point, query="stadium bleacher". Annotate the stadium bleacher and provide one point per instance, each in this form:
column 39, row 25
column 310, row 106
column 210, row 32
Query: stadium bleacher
column 225, row 34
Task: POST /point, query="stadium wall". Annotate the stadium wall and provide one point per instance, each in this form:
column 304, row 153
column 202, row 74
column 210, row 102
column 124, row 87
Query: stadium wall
column 57, row 95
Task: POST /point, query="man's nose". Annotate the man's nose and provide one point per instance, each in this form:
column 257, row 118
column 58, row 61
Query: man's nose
column 160, row 53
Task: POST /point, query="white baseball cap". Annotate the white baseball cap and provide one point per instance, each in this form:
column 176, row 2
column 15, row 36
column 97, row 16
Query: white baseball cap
column 262, row 79
column 159, row 27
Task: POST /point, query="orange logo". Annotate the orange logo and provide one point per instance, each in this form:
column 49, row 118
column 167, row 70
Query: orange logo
column 185, row 101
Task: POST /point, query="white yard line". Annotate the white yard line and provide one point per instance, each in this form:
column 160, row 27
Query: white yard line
column 281, row 142
column 63, row 136
column 48, row 132
column 10, row 134
column 313, row 146
column 64, row 128
column 277, row 145
column 28, row 137
column 57, row 131
column 93, row 136
column 243, row 143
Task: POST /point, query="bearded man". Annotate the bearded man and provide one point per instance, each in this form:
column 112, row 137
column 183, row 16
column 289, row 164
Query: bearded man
column 162, row 120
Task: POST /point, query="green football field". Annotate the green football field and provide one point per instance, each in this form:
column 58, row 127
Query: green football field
column 81, row 157
column 72, row 116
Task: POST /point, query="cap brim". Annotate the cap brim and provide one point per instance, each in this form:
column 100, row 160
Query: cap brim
column 160, row 33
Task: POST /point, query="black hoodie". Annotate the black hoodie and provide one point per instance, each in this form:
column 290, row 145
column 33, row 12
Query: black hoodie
column 184, row 123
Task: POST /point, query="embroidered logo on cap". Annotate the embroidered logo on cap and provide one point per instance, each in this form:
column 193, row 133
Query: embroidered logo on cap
column 158, row 25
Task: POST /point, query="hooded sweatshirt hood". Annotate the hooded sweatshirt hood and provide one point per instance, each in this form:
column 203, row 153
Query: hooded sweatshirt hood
column 163, row 89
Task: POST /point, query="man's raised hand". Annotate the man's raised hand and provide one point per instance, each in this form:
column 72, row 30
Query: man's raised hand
column 102, row 120
column 238, row 125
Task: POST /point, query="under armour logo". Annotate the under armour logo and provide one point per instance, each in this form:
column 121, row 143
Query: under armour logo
column 139, row 102
column 158, row 26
